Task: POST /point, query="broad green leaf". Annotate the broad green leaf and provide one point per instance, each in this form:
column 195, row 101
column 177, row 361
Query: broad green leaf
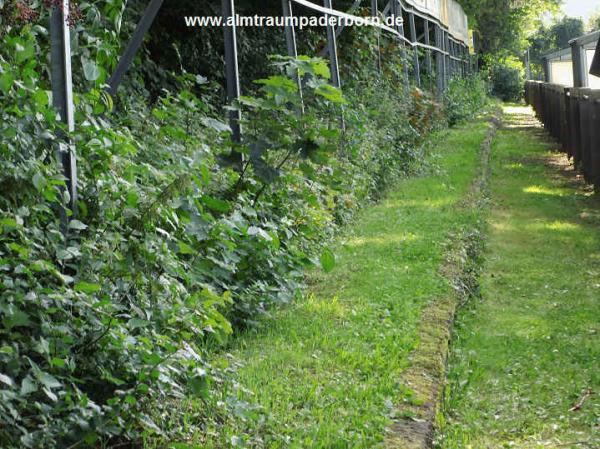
column 8, row 222
column 254, row 230
column 86, row 287
column 331, row 93
column 48, row 380
column 327, row 260
column 91, row 71
column 39, row 181
column 15, row 318
column 199, row 386
column 137, row 322
column 41, row 98
column 59, row 363
column 28, row 385
column 150, row 424
column 184, row 248
column 6, row 81
column 6, row 380
column 6, row 350
column 216, row 204
column 78, row 225
column 217, row 125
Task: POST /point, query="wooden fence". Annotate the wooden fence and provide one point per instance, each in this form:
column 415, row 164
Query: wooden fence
column 572, row 116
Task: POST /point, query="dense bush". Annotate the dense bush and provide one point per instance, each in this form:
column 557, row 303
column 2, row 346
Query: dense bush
column 465, row 97
column 172, row 247
column 507, row 78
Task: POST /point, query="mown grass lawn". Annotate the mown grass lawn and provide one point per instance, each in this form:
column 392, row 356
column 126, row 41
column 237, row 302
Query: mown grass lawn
column 529, row 350
column 324, row 372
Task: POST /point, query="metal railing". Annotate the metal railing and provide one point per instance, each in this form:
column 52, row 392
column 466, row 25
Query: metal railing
column 572, row 116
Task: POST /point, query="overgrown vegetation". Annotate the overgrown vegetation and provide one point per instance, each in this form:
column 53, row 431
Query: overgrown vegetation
column 464, row 98
column 172, row 248
column 507, row 78
column 502, row 29
column 325, row 372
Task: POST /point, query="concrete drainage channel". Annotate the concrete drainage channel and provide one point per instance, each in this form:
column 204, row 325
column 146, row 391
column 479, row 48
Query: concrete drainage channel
column 415, row 426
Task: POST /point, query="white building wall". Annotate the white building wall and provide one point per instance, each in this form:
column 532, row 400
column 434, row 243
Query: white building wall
column 593, row 81
column 561, row 72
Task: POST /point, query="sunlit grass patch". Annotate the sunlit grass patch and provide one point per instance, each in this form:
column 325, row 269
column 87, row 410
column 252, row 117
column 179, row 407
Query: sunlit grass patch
column 556, row 225
column 544, row 190
column 525, row 354
column 382, row 240
column 513, row 166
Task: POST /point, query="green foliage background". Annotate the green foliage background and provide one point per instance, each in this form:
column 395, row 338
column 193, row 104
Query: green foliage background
column 502, row 35
column 547, row 39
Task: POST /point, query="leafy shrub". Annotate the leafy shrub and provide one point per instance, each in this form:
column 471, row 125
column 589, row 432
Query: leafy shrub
column 114, row 320
column 507, row 79
column 464, row 98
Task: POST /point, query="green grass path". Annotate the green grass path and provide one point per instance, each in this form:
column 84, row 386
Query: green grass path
column 324, row 372
column 527, row 352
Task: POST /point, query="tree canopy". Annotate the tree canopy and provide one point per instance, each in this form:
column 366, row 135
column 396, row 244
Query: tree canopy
column 554, row 37
column 501, row 26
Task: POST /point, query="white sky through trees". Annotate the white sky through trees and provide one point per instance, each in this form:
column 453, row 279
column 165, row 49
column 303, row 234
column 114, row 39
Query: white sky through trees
column 581, row 8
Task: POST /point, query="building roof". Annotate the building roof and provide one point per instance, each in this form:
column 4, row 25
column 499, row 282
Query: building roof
column 588, row 40
column 560, row 55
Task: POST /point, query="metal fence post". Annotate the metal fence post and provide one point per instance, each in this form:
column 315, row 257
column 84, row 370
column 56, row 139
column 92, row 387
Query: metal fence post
column 427, row 52
column 290, row 31
column 413, row 38
column 290, row 38
column 451, row 54
column 133, row 45
column 231, row 66
column 400, row 29
column 595, row 139
column 446, row 46
column 333, row 55
column 375, row 14
column 454, row 47
column 439, row 60
column 62, row 99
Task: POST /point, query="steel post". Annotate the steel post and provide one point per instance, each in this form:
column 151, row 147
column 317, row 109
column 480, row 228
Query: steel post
column 332, row 46
column 447, row 67
column 133, row 45
column 395, row 11
column 413, row 38
column 439, row 60
column 290, row 38
column 428, row 63
column 231, row 66
column 375, row 14
column 595, row 139
column 62, row 99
